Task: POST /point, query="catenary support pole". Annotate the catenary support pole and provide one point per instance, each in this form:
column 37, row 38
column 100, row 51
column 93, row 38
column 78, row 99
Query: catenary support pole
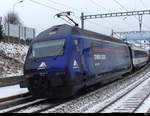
column 82, row 20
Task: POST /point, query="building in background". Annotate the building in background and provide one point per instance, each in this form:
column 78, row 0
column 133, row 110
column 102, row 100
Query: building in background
column 19, row 31
column 138, row 38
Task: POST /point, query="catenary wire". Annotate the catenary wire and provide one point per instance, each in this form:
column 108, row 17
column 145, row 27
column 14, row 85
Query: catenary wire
column 106, row 10
column 74, row 9
column 127, row 11
column 143, row 4
column 64, row 5
column 39, row 3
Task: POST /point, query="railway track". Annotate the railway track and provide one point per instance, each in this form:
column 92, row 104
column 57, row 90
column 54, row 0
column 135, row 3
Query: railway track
column 14, row 100
column 24, row 103
column 25, row 107
column 17, row 102
column 13, row 97
column 36, row 106
column 43, row 105
column 130, row 100
column 99, row 100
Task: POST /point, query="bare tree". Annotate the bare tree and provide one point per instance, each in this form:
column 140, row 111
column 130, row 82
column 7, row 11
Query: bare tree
column 12, row 18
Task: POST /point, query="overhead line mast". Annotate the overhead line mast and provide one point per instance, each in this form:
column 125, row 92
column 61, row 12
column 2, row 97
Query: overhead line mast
column 118, row 14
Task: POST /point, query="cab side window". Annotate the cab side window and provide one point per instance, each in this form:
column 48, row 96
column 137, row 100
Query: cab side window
column 77, row 45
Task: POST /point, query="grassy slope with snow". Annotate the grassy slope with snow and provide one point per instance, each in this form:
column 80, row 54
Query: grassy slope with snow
column 12, row 57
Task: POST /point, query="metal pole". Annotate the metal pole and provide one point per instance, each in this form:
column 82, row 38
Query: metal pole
column 25, row 33
column 8, row 32
column 82, row 20
column 1, row 23
column 19, row 35
column 112, row 33
column 16, row 4
column 140, row 21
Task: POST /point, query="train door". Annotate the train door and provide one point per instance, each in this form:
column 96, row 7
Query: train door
column 77, row 43
column 83, row 53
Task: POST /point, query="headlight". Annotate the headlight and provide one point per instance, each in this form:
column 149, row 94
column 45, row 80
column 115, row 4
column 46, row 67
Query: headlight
column 60, row 73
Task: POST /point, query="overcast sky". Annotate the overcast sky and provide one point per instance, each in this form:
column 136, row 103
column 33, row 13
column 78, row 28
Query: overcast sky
column 39, row 14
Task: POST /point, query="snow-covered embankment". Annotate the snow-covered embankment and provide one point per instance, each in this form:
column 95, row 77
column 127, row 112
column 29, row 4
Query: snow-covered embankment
column 12, row 57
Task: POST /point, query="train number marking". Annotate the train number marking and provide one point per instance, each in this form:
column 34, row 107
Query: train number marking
column 99, row 57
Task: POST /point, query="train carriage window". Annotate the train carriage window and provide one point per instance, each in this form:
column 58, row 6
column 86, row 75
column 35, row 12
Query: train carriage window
column 139, row 54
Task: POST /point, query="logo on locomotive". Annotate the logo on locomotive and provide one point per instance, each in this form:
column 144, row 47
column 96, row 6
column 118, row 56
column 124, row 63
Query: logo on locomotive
column 42, row 66
column 75, row 65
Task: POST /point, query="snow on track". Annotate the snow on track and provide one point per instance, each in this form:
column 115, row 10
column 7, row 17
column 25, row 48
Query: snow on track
column 11, row 91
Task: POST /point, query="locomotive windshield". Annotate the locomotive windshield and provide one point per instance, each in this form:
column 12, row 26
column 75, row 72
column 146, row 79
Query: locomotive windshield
column 51, row 48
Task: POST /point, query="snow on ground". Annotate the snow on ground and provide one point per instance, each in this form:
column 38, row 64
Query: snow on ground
column 12, row 57
column 11, row 91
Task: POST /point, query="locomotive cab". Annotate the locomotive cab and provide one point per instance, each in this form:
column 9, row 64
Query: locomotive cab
column 48, row 70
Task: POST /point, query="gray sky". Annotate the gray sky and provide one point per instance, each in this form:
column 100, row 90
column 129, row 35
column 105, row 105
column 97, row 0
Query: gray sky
column 41, row 16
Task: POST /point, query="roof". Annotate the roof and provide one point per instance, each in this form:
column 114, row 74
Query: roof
column 65, row 29
column 137, row 48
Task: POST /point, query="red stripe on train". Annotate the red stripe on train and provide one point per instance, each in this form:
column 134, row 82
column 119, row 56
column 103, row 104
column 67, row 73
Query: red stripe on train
column 107, row 50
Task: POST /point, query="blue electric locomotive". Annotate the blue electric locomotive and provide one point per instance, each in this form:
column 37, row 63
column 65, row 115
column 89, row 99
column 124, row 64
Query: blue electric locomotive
column 64, row 59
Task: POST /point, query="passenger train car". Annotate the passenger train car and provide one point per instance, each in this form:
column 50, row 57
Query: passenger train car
column 140, row 56
column 63, row 59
